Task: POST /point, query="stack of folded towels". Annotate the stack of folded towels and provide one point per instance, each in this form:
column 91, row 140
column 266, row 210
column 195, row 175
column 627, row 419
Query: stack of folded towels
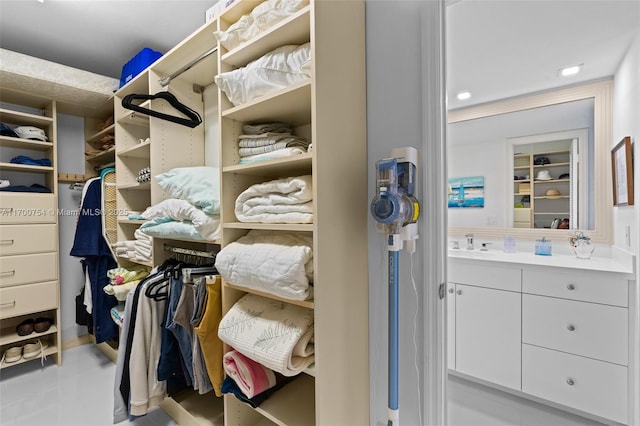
column 140, row 249
column 143, row 246
column 267, row 141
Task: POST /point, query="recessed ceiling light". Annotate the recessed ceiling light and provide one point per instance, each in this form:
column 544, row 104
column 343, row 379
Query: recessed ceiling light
column 572, row 70
column 463, row 96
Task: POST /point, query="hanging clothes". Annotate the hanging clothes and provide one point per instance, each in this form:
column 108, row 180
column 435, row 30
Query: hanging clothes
column 89, row 244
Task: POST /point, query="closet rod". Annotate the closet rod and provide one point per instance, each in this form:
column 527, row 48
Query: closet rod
column 165, row 80
column 189, row 251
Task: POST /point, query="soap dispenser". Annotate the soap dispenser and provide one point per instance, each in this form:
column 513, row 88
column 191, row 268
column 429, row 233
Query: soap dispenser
column 543, row 247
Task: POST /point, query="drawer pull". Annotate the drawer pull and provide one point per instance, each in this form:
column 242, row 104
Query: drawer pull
column 11, row 304
column 13, row 272
column 570, row 381
column 6, row 241
column 450, row 290
column 571, row 287
column 459, row 292
column 571, row 327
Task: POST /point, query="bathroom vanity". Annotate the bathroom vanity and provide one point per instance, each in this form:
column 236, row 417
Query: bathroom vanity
column 555, row 329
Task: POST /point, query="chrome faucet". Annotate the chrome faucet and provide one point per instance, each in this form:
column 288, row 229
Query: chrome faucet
column 469, row 241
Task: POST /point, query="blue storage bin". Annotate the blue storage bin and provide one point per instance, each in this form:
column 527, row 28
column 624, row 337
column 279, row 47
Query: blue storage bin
column 137, row 64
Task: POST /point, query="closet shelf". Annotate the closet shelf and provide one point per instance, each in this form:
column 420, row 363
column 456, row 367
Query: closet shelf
column 140, row 262
column 292, row 165
column 279, row 407
column 25, row 168
column 104, row 156
column 102, row 133
column 235, row 11
column 9, row 336
column 134, row 118
column 537, row 182
column 136, row 186
column 309, row 304
column 141, row 150
column 23, row 118
column 9, row 142
column 291, row 105
column 558, row 197
column 130, row 221
column 551, row 165
column 308, row 227
column 293, row 30
column 51, row 350
column 551, row 213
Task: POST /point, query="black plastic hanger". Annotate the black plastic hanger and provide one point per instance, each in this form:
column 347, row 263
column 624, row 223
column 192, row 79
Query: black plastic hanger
column 192, row 121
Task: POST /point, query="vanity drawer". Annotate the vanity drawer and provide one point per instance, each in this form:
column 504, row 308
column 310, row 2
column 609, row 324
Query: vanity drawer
column 591, row 286
column 27, row 208
column 22, row 239
column 587, row 329
column 586, row 384
column 473, row 273
column 28, row 268
column 28, row 298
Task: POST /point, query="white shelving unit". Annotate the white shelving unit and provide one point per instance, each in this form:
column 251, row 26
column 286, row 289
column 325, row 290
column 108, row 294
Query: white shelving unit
column 29, row 229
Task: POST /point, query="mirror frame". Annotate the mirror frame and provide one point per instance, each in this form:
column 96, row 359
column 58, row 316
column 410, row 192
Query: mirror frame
column 601, row 92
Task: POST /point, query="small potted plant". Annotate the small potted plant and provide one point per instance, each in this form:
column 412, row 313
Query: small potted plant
column 581, row 243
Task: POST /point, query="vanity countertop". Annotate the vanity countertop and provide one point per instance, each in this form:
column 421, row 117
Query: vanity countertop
column 605, row 264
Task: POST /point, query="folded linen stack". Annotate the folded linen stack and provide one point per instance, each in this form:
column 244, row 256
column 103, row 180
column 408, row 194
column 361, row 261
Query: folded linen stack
column 276, row 334
column 268, row 141
column 287, row 200
column 143, row 246
column 125, row 249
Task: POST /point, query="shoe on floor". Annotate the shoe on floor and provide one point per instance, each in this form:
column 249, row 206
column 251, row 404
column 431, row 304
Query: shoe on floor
column 25, row 327
column 12, row 354
column 34, row 348
column 42, row 324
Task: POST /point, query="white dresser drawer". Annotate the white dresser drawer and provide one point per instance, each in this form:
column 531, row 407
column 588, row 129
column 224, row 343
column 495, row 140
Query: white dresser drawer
column 28, row 298
column 589, row 286
column 592, row 386
column 472, row 273
column 28, row 268
column 587, row 329
column 26, row 207
column 22, row 239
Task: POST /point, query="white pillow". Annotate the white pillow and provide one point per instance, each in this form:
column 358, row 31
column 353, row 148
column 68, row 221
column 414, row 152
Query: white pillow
column 183, row 211
column 280, row 68
column 262, row 17
column 199, row 186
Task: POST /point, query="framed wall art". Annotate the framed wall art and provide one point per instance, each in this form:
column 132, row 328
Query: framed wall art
column 622, row 169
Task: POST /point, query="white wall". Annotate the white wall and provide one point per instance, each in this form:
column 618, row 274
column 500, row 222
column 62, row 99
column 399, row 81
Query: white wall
column 404, row 108
column 626, row 122
column 70, row 160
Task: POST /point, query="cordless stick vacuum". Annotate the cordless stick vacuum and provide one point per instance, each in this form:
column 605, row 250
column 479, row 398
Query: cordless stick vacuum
column 396, row 211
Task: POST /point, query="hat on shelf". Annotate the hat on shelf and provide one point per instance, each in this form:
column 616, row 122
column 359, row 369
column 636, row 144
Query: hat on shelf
column 552, row 194
column 31, row 132
column 543, row 175
column 541, row 161
column 564, row 176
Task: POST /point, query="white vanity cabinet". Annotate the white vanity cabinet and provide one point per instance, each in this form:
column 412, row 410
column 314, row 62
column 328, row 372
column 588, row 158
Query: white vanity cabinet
column 487, row 323
column 575, row 340
column 559, row 333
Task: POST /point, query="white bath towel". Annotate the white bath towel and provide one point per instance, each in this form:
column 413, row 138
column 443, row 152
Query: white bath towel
column 275, row 334
column 284, row 152
column 287, row 200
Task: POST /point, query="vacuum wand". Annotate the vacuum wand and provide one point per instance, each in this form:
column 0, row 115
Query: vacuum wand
column 396, row 211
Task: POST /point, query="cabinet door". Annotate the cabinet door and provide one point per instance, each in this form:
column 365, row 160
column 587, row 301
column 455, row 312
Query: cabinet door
column 488, row 334
column 451, row 326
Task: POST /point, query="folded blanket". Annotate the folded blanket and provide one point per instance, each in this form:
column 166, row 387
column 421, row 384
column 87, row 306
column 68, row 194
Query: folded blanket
column 252, row 378
column 285, row 152
column 126, row 244
column 273, row 333
column 276, row 262
column 142, row 238
column 247, row 152
column 261, row 128
column 285, row 200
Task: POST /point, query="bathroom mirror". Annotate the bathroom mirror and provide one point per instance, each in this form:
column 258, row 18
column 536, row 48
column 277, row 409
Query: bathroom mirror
column 513, row 71
column 584, row 107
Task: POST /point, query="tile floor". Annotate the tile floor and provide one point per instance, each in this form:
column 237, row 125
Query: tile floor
column 81, row 393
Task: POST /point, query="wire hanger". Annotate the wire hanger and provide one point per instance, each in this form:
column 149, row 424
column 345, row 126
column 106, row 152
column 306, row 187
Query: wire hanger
column 192, row 121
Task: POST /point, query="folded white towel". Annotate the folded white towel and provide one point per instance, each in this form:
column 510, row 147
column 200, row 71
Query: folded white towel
column 284, row 152
column 141, row 236
column 124, row 244
column 141, row 251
